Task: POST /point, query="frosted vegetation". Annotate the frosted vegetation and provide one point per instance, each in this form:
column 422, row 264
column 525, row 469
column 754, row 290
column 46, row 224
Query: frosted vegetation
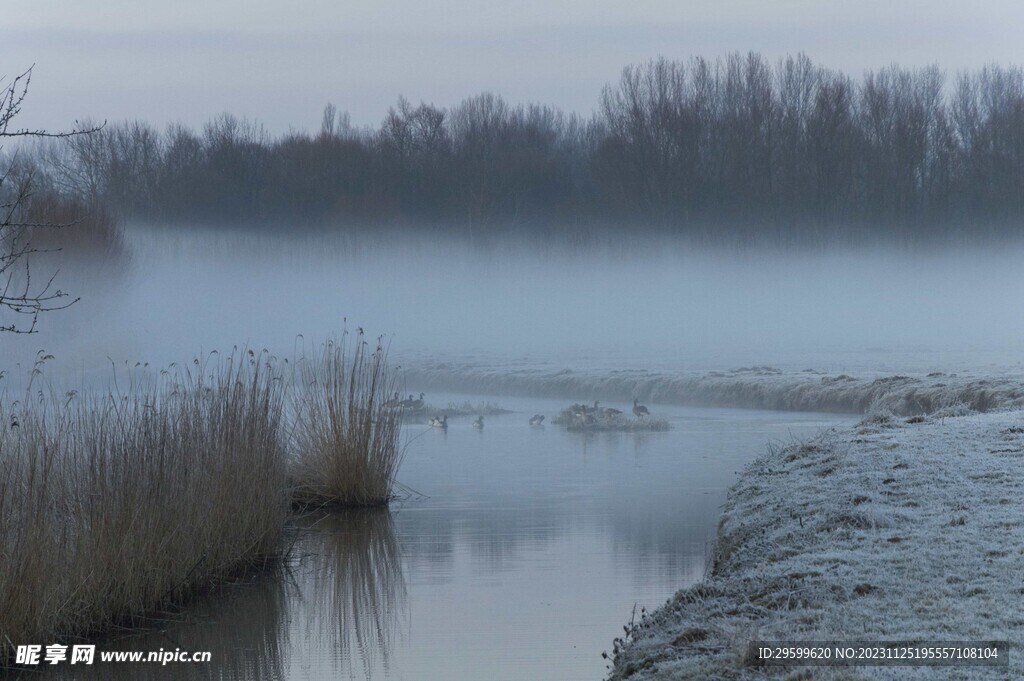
column 749, row 387
column 907, row 526
column 421, row 414
column 896, row 529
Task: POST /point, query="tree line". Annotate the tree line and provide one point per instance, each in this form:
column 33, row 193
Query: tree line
column 701, row 147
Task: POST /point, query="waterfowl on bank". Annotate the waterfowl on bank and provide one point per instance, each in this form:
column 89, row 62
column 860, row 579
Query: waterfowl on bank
column 413, row 403
column 395, row 401
column 610, row 412
column 439, row 423
column 479, row 423
column 585, row 419
column 583, row 408
column 537, row 419
column 640, row 410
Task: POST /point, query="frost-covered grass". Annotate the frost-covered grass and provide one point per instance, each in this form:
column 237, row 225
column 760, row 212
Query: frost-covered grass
column 453, row 410
column 467, row 408
column 896, row 529
column 756, row 387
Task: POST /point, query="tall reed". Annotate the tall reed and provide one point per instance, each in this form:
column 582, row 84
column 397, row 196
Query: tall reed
column 113, row 507
column 346, row 449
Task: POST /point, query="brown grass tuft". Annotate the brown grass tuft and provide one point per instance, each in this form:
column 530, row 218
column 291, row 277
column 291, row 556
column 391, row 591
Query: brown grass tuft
column 112, row 507
column 346, row 449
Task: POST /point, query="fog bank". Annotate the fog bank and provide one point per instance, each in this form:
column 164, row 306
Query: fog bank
column 658, row 306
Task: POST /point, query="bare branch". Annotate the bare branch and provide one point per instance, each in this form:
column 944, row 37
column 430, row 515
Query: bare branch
column 19, row 295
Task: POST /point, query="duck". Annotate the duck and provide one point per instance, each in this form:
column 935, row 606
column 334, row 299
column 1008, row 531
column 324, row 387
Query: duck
column 439, row 423
column 584, row 419
column 639, row 410
column 479, row 423
column 537, row 419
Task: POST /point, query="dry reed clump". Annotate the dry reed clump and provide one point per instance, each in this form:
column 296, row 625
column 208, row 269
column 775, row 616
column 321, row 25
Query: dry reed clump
column 346, row 449
column 111, row 508
column 84, row 233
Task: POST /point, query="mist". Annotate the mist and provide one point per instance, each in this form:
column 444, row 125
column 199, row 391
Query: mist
column 476, row 330
column 660, row 304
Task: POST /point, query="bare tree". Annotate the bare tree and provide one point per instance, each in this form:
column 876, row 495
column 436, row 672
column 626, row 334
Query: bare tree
column 22, row 298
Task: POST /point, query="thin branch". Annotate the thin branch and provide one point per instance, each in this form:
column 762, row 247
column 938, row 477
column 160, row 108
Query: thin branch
column 19, row 295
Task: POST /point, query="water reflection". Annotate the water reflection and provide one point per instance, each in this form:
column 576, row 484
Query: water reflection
column 352, row 587
column 522, row 559
column 335, row 604
column 241, row 625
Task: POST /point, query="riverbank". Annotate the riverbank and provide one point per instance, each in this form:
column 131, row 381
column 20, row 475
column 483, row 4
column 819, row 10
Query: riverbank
column 894, row 529
column 756, row 387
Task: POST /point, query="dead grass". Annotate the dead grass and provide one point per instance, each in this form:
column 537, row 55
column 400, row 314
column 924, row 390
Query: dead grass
column 346, row 449
column 82, row 232
column 114, row 507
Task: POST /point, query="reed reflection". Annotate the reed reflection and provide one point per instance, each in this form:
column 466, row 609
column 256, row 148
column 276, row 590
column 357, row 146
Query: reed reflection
column 241, row 625
column 353, row 587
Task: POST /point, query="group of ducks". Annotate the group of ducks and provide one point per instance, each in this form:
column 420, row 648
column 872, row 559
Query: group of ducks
column 411, row 403
column 478, row 423
column 442, row 422
column 582, row 415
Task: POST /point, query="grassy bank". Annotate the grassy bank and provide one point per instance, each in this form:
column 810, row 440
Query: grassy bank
column 758, row 387
column 115, row 508
column 897, row 529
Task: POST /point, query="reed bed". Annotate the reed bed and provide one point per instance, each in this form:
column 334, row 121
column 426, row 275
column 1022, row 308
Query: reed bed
column 114, row 508
column 345, row 448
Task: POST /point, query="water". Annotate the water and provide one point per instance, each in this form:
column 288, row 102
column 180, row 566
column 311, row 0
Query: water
column 529, row 548
column 522, row 559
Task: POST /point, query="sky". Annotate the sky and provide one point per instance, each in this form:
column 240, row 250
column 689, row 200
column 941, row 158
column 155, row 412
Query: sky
column 280, row 63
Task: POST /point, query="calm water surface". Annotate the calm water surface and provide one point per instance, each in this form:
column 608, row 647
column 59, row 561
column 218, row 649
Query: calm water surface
column 526, row 549
column 521, row 557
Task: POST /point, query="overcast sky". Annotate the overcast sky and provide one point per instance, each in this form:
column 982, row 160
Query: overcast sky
column 280, row 62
